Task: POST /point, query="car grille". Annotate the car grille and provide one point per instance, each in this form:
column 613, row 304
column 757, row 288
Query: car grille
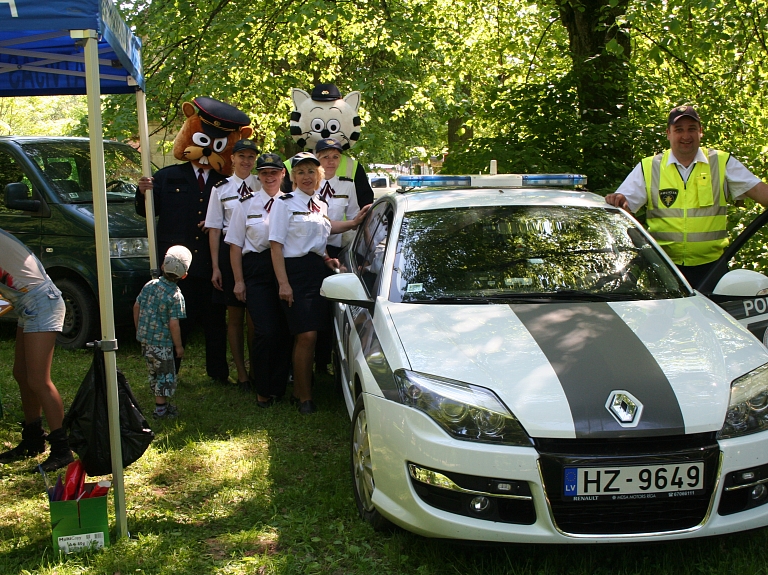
column 608, row 517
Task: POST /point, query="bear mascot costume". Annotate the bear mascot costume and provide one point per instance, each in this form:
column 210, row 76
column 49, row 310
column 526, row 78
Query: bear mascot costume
column 180, row 193
column 324, row 114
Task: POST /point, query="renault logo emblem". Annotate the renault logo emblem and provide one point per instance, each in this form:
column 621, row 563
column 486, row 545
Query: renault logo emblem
column 624, row 407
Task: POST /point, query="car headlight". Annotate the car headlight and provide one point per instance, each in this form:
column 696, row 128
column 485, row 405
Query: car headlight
column 465, row 411
column 129, row 248
column 748, row 410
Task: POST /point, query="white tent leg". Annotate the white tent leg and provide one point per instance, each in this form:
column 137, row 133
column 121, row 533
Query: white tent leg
column 146, row 169
column 103, row 266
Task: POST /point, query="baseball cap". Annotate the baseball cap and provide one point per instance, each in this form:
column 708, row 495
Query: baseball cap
column 241, row 145
column 269, row 160
column 302, row 156
column 328, row 144
column 679, row 111
column 176, row 261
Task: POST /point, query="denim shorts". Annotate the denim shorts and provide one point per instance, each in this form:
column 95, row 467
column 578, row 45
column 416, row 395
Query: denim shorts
column 41, row 309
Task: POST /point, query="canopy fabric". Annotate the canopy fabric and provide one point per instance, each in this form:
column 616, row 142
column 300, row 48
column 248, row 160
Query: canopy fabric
column 38, row 57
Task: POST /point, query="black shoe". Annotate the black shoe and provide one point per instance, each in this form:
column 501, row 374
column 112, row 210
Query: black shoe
column 245, row 386
column 61, row 454
column 307, row 407
column 55, row 461
column 266, row 403
column 32, row 443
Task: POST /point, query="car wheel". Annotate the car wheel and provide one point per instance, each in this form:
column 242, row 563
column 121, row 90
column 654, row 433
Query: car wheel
column 81, row 318
column 363, row 483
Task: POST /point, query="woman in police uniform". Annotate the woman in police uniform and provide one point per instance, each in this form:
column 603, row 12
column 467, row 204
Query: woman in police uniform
column 298, row 232
column 254, row 282
column 225, row 195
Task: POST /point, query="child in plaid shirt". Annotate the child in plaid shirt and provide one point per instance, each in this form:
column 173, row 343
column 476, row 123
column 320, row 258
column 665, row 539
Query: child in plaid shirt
column 156, row 313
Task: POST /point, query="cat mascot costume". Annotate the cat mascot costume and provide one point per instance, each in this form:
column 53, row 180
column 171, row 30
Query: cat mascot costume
column 325, row 114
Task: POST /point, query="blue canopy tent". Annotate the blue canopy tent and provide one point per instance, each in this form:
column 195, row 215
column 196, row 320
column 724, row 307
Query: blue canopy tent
column 82, row 47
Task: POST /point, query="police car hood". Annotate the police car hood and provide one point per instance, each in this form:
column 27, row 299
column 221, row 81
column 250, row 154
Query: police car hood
column 556, row 365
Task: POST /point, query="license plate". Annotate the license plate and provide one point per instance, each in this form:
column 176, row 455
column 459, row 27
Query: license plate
column 633, row 482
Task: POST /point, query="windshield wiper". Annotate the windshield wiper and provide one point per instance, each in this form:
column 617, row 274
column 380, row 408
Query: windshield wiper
column 566, row 294
column 452, row 299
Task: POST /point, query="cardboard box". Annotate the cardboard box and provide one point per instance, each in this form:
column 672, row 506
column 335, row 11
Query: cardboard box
column 78, row 525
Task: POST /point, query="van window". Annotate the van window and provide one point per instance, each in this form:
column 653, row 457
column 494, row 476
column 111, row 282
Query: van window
column 68, row 167
column 11, row 173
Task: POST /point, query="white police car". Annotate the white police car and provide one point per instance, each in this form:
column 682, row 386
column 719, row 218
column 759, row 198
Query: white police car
column 524, row 364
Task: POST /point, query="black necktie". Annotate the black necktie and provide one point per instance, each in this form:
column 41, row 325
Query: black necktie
column 327, row 192
column 200, row 180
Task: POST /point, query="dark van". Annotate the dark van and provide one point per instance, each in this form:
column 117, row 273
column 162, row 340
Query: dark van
column 47, row 203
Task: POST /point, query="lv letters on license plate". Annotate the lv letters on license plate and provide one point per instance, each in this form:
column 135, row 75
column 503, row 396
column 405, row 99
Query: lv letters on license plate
column 633, row 482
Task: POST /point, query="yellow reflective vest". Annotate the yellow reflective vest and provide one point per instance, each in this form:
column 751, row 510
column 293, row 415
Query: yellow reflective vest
column 346, row 169
column 689, row 220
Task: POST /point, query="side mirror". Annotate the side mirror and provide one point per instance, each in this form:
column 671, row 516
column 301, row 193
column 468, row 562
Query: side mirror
column 346, row 288
column 745, row 283
column 17, row 198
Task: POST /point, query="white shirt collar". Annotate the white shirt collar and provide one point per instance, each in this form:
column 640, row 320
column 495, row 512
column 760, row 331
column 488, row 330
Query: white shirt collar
column 700, row 157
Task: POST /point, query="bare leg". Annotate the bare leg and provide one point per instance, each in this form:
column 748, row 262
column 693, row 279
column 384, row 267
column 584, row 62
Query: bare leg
column 235, row 316
column 303, row 358
column 32, row 371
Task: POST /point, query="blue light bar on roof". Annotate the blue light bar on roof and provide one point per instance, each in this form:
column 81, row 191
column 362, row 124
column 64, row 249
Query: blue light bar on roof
column 495, row 181
column 433, row 180
column 529, row 181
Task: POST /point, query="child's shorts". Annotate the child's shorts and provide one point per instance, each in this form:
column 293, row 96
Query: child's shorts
column 41, row 309
column 162, row 369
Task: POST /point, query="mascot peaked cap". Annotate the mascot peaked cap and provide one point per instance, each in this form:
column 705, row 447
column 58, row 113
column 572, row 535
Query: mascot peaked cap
column 219, row 119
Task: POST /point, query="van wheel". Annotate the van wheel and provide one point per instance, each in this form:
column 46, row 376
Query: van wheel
column 81, row 318
column 363, row 484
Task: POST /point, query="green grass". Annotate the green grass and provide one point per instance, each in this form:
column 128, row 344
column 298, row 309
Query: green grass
column 229, row 488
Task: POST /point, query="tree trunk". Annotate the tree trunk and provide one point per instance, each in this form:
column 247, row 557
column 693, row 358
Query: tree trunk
column 602, row 83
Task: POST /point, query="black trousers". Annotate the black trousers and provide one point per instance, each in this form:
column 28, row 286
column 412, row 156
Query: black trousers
column 272, row 344
column 203, row 312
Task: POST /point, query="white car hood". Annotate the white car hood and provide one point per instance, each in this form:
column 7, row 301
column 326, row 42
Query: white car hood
column 555, row 365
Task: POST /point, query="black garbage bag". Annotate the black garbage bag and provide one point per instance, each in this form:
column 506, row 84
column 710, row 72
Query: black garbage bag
column 87, row 421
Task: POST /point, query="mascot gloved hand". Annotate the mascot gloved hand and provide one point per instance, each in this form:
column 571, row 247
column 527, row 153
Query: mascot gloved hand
column 324, row 114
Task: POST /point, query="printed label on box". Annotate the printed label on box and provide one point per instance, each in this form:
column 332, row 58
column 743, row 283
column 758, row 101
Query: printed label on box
column 71, row 543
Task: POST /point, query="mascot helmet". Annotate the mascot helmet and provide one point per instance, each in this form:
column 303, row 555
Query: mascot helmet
column 209, row 133
column 325, row 114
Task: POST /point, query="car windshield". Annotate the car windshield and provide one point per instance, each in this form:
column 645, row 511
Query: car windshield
column 530, row 253
column 67, row 164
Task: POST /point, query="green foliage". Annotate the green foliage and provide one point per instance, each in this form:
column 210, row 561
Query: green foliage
column 41, row 115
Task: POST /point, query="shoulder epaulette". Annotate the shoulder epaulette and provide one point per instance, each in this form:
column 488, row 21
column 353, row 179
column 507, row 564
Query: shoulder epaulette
column 220, row 183
column 286, row 196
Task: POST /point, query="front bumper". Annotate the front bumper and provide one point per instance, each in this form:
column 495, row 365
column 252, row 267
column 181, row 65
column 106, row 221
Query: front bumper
column 401, row 436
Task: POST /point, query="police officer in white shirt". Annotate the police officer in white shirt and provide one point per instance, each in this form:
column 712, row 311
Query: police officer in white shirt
column 255, row 285
column 298, row 233
column 225, row 195
column 338, row 191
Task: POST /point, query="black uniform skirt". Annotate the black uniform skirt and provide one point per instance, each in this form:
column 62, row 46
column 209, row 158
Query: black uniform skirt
column 227, row 277
column 310, row 311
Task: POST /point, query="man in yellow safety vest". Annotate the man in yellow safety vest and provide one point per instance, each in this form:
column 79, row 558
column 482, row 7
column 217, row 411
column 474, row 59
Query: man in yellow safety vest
column 685, row 190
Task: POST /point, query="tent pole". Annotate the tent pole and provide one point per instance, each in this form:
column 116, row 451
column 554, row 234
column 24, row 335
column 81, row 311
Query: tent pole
column 108, row 343
column 146, row 170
